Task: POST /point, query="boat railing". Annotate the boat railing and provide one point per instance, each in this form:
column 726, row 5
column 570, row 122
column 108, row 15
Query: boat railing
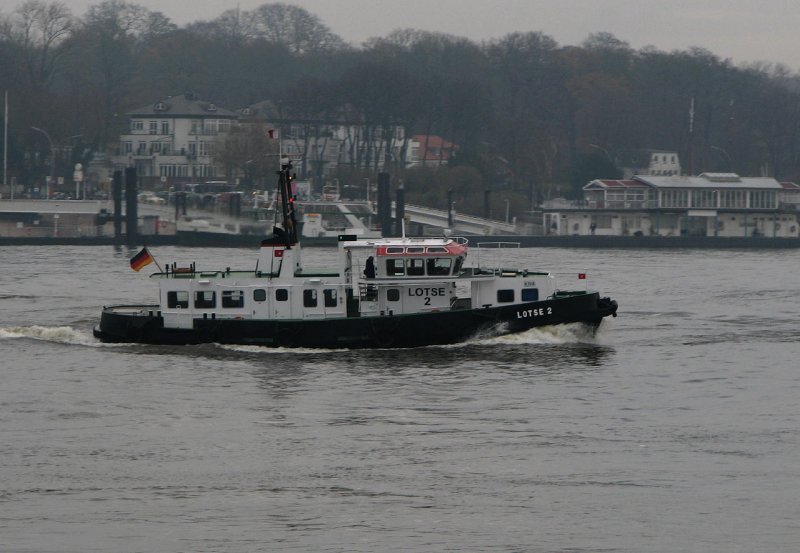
column 488, row 255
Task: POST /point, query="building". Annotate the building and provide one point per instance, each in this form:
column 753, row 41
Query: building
column 325, row 143
column 174, row 137
column 648, row 162
column 710, row 204
column 429, row 151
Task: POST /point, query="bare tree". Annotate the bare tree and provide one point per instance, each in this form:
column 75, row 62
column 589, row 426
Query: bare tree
column 301, row 31
column 41, row 31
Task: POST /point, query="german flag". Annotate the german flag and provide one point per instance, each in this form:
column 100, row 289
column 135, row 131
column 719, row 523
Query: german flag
column 141, row 259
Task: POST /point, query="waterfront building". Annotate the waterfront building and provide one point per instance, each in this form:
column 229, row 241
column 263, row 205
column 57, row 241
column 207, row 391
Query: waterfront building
column 710, row 204
column 174, row 137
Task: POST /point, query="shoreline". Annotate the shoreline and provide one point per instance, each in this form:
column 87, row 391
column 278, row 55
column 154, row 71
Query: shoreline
column 211, row 240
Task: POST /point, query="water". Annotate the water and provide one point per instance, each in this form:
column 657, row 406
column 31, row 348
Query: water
column 675, row 429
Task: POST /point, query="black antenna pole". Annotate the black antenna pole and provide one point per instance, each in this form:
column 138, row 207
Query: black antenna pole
column 287, row 202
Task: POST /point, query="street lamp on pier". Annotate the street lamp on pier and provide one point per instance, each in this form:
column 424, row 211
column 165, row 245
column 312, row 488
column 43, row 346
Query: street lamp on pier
column 608, row 157
column 727, row 156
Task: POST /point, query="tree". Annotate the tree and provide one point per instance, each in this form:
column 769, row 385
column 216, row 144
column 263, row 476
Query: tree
column 247, row 150
column 301, row 31
column 41, row 31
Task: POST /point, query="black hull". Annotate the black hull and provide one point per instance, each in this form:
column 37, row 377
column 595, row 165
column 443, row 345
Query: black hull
column 124, row 325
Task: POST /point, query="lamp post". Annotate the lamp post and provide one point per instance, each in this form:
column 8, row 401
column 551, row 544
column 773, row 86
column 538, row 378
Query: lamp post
column 727, row 157
column 52, row 160
column 506, row 200
column 608, row 157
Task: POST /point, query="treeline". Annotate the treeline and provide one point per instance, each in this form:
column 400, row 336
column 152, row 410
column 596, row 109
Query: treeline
column 531, row 118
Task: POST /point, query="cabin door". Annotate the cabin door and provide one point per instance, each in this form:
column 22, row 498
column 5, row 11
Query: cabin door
column 176, row 309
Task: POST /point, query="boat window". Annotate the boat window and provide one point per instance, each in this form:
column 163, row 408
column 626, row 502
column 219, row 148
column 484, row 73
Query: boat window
column 415, row 249
column 393, row 294
column 330, row 297
column 416, row 267
column 309, row 298
column 437, row 249
column 178, row 299
column 457, row 266
column 232, row 298
column 439, row 265
column 395, row 267
column 281, row 294
column 505, row 296
column 205, row 299
column 394, row 250
column 259, row 294
column 530, row 294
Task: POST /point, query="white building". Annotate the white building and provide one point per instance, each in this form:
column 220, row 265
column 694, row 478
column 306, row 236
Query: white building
column 711, row 204
column 174, row 137
column 648, row 162
column 326, row 142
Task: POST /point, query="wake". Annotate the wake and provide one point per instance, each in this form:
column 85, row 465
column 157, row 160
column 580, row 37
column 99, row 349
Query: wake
column 55, row 334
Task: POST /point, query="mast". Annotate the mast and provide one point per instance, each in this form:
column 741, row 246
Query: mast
column 289, row 220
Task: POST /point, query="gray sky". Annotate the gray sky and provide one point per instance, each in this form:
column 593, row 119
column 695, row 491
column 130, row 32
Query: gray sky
column 742, row 30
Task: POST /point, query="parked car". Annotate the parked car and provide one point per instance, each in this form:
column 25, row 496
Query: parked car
column 151, row 198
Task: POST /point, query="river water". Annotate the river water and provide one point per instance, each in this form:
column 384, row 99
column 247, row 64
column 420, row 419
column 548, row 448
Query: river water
column 675, row 429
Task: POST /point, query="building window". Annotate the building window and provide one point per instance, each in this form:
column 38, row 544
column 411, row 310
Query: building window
column 165, row 127
column 281, row 294
column 206, row 149
column 762, row 199
column 178, row 300
column 732, row 199
column 153, row 127
column 174, row 170
column 704, row 198
column 505, row 296
column 675, row 198
column 309, row 298
column 205, row 299
column 330, row 297
column 259, row 294
column 137, row 126
column 232, row 298
column 127, row 147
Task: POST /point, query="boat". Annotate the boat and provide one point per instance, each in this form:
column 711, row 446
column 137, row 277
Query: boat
column 411, row 292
